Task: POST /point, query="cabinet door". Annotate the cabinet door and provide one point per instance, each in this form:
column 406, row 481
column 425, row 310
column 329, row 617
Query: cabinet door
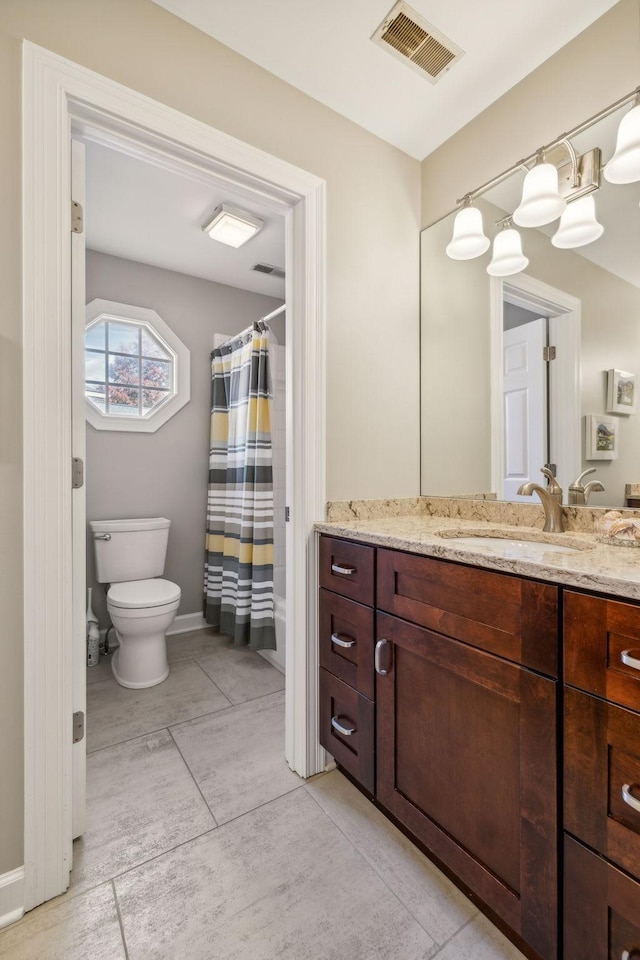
column 602, row 777
column 346, row 641
column 466, row 760
column 347, row 728
column 347, row 568
column 601, row 908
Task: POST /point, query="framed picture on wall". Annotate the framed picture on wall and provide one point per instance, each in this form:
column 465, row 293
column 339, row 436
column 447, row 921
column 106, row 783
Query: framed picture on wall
column 601, row 437
column 621, row 392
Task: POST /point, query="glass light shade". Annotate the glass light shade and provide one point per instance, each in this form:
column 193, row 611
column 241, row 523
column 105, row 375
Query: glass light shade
column 578, row 225
column 233, row 226
column 507, row 257
column 624, row 166
column 541, row 203
column 468, row 239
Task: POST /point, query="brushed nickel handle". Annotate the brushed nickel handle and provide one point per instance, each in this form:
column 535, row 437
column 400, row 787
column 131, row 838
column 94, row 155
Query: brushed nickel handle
column 347, row 571
column 339, row 642
column 340, row 728
column 630, row 955
column 378, row 657
column 102, row 536
column 630, row 661
column 629, row 798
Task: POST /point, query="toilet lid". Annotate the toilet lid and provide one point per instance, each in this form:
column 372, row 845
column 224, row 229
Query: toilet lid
column 143, row 593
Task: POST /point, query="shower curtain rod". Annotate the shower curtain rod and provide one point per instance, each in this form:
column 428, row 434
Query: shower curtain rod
column 275, row 313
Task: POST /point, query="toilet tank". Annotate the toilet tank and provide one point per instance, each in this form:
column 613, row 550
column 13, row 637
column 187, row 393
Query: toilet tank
column 129, row 549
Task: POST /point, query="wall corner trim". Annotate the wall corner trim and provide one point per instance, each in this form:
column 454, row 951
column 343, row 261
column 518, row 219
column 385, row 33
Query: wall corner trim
column 11, row 896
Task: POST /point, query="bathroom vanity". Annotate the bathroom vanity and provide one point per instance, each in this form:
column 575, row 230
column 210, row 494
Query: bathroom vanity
column 494, row 714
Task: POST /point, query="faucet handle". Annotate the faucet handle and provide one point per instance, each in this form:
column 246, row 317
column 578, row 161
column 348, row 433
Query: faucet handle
column 578, row 482
column 554, row 487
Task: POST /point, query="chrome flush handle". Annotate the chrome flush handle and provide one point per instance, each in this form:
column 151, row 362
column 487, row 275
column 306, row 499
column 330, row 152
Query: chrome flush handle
column 380, row 645
column 629, row 660
column 345, row 571
column 629, row 798
column 340, row 727
column 341, row 642
column 102, row 536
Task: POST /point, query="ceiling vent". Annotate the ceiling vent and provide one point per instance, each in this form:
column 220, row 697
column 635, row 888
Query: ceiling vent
column 410, row 38
column 269, row 270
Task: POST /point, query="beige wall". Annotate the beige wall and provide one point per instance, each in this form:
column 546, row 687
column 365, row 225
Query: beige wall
column 373, row 211
column 599, row 66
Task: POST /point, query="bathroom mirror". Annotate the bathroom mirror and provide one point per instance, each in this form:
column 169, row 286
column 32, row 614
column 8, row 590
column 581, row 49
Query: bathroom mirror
column 585, row 302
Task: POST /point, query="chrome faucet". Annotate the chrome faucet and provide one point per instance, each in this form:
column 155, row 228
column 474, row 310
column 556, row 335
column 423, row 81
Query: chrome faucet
column 579, row 494
column 551, row 499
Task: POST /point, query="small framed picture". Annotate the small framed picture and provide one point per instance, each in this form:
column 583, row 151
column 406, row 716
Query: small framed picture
column 601, row 437
column 621, row 392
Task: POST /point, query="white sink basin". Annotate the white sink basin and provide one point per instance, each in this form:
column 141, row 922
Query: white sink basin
column 519, row 549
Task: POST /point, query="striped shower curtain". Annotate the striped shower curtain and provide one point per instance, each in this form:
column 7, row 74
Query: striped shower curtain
column 239, row 543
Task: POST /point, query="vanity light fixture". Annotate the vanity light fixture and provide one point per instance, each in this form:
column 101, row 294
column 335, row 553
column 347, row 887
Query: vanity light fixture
column 578, row 225
column 541, row 201
column 468, row 240
column 624, row 166
column 232, row 226
column 508, row 257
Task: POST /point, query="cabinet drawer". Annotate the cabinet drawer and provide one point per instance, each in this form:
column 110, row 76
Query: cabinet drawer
column 346, row 641
column 602, row 908
column 513, row 618
column 347, row 568
column 342, row 707
column 599, row 636
column 602, row 777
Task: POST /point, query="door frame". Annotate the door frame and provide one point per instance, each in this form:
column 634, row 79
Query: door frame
column 57, row 92
column 565, row 412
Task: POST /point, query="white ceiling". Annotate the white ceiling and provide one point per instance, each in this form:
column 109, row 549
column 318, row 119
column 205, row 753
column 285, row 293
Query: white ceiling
column 324, row 49
column 145, row 212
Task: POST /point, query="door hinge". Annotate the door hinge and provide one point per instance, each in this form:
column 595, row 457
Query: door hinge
column 548, row 353
column 287, row 514
column 77, row 473
column 78, row 726
column 77, row 217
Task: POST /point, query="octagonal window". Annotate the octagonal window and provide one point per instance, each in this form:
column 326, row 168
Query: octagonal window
column 136, row 369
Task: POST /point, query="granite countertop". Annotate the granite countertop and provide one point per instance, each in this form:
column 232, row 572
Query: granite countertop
column 594, row 566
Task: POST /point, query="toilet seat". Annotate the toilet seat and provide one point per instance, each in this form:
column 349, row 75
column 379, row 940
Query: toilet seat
column 142, row 594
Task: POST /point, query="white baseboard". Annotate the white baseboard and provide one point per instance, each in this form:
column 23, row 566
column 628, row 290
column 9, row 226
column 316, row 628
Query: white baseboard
column 271, row 657
column 11, row 896
column 187, row 622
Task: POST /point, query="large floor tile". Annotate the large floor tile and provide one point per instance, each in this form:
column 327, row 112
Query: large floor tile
column 116, row 713
column 241, row 673
column 85, row 928
column 141, row 801
column 237, row 756
column 480, row 940
column 196, row 643
column 432, row 899
column 281, row 883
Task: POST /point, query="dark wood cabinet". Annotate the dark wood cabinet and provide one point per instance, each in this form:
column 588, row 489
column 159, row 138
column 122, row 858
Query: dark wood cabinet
column 347, row 728
column 602, row 908
column 466, row 754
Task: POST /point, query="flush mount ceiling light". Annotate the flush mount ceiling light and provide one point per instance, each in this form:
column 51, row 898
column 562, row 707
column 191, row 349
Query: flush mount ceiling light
column 624, row 166
column 578, row 225
column 541, row 201
column 508, row 257
column 468, row 239
column 232, row 226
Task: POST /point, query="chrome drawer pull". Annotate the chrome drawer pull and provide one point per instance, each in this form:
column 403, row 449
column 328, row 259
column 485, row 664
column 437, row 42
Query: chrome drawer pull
column 630, row 661
column 378, row 657
column 337, row 726
column 629, row 798
column 339, row 642
column 347, row 571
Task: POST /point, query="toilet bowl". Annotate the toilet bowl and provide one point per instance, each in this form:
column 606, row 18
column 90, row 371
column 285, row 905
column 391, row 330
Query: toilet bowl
column 130, row 555
column 142, row 611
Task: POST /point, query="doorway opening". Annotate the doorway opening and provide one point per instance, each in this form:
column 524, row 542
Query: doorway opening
column 535, row 384
column 57, row 95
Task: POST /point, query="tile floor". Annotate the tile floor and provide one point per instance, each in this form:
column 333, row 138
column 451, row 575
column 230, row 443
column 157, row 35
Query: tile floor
column 201, row 844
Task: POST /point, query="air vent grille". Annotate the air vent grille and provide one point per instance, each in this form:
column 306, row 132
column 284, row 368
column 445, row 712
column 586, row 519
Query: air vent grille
column 409, row 37
column 269, row 270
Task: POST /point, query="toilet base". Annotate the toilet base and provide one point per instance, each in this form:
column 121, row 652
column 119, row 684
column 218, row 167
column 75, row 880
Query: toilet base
column 131, row 684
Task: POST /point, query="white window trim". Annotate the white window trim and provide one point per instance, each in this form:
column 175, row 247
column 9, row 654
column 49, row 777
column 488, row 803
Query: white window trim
column 110, row 310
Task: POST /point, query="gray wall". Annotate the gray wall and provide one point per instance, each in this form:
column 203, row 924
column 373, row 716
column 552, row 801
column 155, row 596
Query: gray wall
column 164, row 474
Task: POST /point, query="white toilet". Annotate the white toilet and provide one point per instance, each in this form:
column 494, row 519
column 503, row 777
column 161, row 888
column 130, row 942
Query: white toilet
column 130, row 556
